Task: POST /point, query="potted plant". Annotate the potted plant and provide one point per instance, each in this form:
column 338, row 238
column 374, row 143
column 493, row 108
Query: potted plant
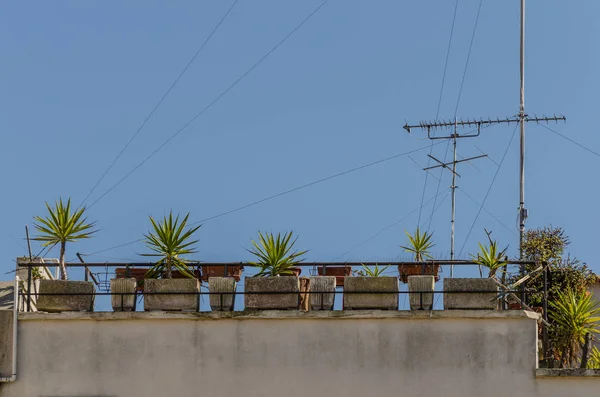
column 421, row 277
column 370, row 289
column 123, row 291
column 419, row 244
column 477, row 293
column 60, row 226
column 170, row 241
column 275, row 258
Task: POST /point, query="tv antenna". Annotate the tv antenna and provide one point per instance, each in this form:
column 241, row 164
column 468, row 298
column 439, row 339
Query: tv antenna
column 450, row 166
column 521, row 118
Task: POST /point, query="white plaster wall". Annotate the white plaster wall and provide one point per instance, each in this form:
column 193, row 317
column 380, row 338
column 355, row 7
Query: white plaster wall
column 283, row 355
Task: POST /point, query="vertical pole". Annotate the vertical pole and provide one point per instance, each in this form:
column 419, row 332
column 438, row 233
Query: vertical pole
column 453, row 202
column 522, row 214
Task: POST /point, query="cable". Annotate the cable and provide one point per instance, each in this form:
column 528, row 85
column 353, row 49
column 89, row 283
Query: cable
column 488, row 212
column 439, row 104
column 382, row 230
column 160, row 102
column 488, row 191
column 213, row 101
column 459, row 94
column 438, row 207
column 462, row 83
column 310, row 184
column 281, row 194
column 571, row 140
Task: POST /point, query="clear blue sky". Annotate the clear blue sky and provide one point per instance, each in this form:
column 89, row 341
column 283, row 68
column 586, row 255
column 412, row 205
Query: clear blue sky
column 78, row 78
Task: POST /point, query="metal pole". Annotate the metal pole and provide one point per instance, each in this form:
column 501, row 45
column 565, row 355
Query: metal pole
column 453, row 202
column 522, row 211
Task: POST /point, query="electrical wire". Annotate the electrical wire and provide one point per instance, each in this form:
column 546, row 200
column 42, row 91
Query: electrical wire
column 210, row 104
column 383, row 230
column 439, row 104
column 462, row 83
column 571, row 140
column 361, row 167
column 488, row 191
column 438, row 207
column 488, row 212
column 160, row 101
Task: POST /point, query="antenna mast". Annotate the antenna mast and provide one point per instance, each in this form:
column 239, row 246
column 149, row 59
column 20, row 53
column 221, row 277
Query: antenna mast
column 522, row 211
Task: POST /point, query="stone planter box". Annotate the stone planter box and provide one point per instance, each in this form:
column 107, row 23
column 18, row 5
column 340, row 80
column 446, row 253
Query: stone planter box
column 284, row 293
column 364, row 300
column 83, row 301
column 171, row 302
column 483, row 292
column 223, row 301
column 421, row 301
column 324, row 300
column 125, row 302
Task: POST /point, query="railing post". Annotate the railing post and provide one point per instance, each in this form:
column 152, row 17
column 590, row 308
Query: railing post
column 29, row 274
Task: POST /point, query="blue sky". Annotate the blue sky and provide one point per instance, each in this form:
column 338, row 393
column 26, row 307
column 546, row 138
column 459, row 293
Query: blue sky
column 78, row 78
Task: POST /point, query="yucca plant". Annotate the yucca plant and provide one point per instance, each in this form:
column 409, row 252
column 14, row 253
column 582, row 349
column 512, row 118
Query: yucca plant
column 574, row 315
column 420, row 245
column 376, row 271
column 491, row 257
column 61, row 226
column 594, row 360
column 275, row 255
column 170, row 241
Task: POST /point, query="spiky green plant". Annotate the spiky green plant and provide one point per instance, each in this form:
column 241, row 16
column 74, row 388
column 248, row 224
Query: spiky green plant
column 594, row 360
column 170, row 241
column 491, row 257
column 275, row 255
column 376, row 271
column 420, row 245
column 61, row 226
column 574, row 315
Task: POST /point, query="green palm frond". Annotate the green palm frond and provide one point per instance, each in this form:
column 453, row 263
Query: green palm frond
column 420, row 245
column 170, row 241
column 61, row 226
column 274, row 254
column 491, row 257
column 575, row 314
column 375, row 272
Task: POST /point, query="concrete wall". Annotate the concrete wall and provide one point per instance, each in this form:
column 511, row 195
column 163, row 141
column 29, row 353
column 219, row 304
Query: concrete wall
column 290, row 354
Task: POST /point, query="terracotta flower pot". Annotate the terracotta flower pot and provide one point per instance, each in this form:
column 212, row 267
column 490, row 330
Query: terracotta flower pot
column 209, row 271
column 338, row 271
column 417, row 270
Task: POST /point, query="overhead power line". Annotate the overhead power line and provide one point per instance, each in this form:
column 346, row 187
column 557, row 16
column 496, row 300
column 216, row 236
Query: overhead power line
column 437, row 113
column 384, row 229
column 572, row 141
column 462, row 83
column 215, row 100
column 488, row 191
column 361, row 167
column 139, row 129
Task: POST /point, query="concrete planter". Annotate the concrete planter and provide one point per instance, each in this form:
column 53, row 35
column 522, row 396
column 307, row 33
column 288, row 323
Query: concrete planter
column 81, row 300
column 481, row 296
column 185, row 300
column 284, row 293
column 378, row 300
column 126, row 286
column 322, row 290
column 226, row 286
column 421, row 301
